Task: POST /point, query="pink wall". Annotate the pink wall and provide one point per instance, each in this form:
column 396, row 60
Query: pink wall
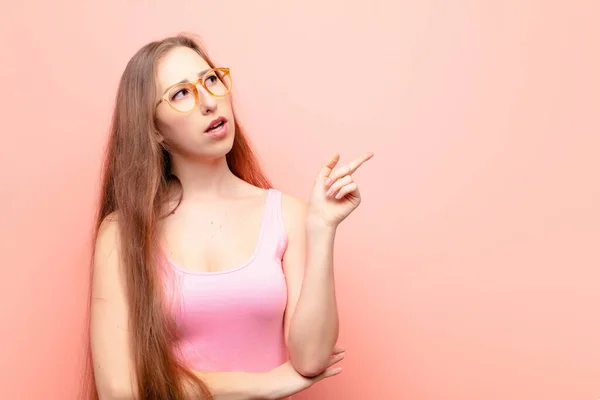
column 472, row 269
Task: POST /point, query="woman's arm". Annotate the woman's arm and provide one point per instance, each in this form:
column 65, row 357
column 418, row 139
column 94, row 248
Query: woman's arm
column 311, row 321
column 311, row 317
column 281, row 382
column 113, row 366
column 237, row 385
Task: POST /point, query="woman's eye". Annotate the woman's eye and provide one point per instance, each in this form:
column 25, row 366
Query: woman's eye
column 180, row 94
column 212, row 79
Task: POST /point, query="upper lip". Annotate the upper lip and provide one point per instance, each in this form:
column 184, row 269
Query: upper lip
column 215, row 122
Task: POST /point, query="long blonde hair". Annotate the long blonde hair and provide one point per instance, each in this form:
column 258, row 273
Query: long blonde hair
column 137, row 182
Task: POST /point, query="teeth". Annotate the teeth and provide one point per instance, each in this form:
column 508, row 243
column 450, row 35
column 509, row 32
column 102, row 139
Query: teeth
column 217, row 125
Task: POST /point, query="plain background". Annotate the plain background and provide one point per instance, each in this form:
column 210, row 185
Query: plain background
column 472, row 269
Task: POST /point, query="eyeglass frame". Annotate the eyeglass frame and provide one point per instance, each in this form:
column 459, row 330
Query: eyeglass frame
column 194, row 85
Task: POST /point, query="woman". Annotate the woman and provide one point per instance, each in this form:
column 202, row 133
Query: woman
column 207, row 283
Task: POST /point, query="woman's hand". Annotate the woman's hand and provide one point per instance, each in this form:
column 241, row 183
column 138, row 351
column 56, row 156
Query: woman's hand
column 335, row 194
column 285, row 381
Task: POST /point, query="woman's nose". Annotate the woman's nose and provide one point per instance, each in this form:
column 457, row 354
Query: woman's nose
column 206, row 101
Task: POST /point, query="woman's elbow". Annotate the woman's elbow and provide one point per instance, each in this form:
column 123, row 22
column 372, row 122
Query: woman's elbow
column 310, row 367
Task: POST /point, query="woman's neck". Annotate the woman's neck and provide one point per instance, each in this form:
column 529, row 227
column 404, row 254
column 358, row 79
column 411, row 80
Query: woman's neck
column 205, row 179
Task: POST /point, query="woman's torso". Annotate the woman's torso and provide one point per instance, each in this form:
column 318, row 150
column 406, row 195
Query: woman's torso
column 229, row 285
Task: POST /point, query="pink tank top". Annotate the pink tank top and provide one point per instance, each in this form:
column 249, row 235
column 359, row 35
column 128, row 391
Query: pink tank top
column 233, row 320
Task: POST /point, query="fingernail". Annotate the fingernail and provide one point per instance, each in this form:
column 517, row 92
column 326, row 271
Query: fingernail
column 328, row 182
column 329, row 193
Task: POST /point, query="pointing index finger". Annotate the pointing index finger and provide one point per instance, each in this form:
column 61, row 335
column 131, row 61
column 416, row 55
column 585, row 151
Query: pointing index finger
column 357, row 162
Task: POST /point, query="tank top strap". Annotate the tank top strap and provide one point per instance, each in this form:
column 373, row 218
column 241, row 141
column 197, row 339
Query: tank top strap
column 274, row 234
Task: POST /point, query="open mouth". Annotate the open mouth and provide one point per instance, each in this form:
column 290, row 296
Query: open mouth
column 216, row 124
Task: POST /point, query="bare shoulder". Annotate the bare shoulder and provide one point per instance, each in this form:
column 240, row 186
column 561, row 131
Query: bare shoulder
column 294, row 211
column 108, row 233
column 106, row 250
column 293, row 204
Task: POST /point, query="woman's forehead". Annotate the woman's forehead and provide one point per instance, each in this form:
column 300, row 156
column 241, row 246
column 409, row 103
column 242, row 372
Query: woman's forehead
column 180, row 63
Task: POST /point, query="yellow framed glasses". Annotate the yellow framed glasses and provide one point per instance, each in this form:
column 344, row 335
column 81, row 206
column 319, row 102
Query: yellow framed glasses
column 183, row 97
